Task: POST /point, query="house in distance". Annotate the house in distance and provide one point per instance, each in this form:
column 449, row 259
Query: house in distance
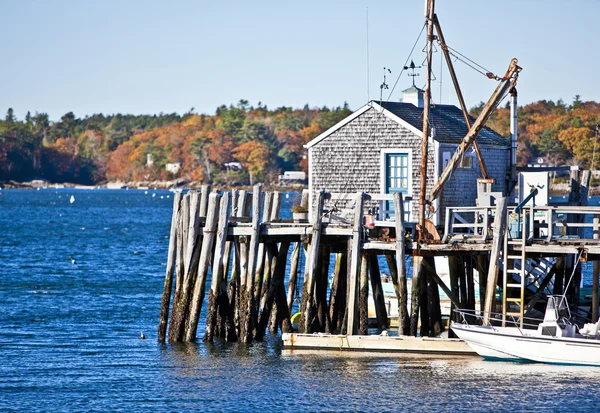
column 377, row 149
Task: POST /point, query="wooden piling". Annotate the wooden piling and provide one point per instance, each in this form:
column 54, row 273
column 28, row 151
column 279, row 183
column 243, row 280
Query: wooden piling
column 217, row 298
column 416, row 295
column 203, row 264
column 433, row 300
column 247, row 294
column 180, row 267
column 321, row 288
column 276, row 284
column 354, row 262
column 377, row 289
column 192, row 253
column 400, row 267
column 171, row 260
column 337, row 296
column 363, row 297
column 311, row 265
column 293, row 275
column 499, row 232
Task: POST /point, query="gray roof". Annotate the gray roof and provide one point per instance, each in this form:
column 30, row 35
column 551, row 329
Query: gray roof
column 448, row 121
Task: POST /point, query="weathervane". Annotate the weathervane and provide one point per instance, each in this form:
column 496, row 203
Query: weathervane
column 413, row 74
column 384, row 85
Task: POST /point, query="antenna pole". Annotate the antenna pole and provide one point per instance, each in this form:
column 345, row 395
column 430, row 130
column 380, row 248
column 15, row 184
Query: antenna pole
column 368, row 91
column 426, row 109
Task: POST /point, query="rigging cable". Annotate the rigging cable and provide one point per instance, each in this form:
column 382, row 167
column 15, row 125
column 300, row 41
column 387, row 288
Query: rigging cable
column 407, row 59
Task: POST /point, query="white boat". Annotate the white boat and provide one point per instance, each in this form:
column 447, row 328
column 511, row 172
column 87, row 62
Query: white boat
column 555, row 340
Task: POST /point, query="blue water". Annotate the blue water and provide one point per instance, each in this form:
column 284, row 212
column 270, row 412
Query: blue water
column 70, row 333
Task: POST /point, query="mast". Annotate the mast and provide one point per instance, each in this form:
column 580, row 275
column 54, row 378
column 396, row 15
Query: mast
column 426, row 110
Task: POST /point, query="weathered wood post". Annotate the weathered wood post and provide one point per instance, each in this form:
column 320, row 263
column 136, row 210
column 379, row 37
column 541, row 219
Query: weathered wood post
column 377, row 288
column 337, row 295
column 293, row 275
column 415, row 298
column 204, row 261
column 247, row 301
column 217, row 297
column 400, row 282
column 433, row 299
column 500, row 221
column 171, row 259
column 321, row 288
column 276, row 284
column 260, row 260
column 180, row 267
column 354, row 263
column 363, row 297
column 192, row 253
column 311, row 266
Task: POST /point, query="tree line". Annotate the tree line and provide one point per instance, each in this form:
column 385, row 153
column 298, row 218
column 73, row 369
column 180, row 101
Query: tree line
column 208, row 148
column 127, row 148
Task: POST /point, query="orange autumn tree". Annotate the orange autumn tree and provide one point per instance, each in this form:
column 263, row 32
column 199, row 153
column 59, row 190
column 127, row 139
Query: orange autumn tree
column 254, row 156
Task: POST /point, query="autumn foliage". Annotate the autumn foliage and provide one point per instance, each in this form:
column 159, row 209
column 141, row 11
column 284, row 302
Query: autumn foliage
column 129, row 148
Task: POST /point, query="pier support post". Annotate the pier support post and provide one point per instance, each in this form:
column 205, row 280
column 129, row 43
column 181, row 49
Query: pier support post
column 311, row 266
column 354, row 261
column 400, row 267
column 171, row 259
column 497, row 246
column 192, row 253
column 337, row 295
column 378, row 298
column 293, row 275
column 203, row 263
column 363, row 297
column 247, row 293
column 218, row 302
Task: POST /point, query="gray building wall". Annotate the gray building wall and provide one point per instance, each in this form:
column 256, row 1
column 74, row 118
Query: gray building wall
column 461, row 189
column 349, row 160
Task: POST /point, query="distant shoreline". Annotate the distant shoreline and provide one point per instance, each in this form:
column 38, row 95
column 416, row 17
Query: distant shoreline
column 178, row 184
column 558, row 189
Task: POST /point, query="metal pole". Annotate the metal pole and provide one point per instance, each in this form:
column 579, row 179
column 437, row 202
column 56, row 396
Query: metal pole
column 426, row 108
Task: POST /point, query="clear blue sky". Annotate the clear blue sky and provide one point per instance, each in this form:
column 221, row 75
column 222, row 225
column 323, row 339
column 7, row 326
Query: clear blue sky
column 115, row 56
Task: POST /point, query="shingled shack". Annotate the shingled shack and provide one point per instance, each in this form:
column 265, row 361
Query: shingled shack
column 377, row 150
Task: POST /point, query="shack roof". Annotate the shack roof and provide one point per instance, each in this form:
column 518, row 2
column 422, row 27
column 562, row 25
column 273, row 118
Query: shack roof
column 446, row 120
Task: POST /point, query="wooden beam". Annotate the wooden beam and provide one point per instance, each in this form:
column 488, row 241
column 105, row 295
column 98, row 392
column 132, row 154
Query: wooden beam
column 502, row 88
column 203, row 264
column 459, row 95
column 401, row 287
column 171, row 259
column 354, row 261
column 497, row 246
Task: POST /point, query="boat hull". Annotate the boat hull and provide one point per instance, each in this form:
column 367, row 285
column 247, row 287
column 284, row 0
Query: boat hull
column 507, row 343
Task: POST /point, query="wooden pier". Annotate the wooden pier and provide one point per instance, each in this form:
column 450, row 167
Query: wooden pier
column 237, row 240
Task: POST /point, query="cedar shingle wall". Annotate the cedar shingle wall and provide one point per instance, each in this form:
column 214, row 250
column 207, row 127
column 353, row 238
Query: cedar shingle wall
column 349, row 161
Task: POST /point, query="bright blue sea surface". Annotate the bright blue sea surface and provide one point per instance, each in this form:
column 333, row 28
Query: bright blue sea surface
column 70, row 333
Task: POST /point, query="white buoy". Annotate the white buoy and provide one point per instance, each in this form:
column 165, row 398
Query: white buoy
column 153, row 195
column 72, row 199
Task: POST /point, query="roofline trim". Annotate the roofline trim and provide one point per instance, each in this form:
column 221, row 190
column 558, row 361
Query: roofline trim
column 337, row 126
